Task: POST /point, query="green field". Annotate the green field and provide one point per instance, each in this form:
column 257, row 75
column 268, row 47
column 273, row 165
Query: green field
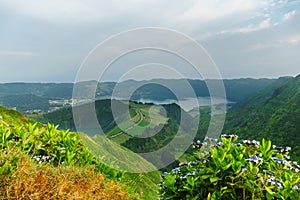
column 142, row 116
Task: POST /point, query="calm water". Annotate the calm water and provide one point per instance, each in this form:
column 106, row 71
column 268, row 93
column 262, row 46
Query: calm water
column 188, row 103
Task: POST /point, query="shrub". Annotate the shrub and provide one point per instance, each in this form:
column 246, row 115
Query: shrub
column 230, row 170
column 47, row 144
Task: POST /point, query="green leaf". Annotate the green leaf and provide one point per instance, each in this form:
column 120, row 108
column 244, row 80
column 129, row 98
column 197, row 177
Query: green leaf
column 214, row 179
column 240, row 156
column 269, row 196
column 269, row 190
column 215, row 195
column 209, row 196
column 205, row 176
column 255, row 170
column 190, row 181
column 226, row 166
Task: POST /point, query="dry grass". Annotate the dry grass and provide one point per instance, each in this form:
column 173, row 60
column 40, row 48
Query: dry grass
column 36, row 181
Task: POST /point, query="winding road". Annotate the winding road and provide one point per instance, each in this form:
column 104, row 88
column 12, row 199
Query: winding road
column 131, row 127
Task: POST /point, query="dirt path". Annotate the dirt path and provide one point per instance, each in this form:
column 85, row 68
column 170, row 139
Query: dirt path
column 131, row 127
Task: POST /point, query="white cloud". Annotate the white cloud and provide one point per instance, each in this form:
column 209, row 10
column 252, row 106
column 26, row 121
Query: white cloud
column 255, row 27
column 216, row 9
column 194, row 17
column 289, row 15
column 266, row 23
column 294, row 40
column 289, row 41
column 164, row 12
column 77, row 25
column 76, row 11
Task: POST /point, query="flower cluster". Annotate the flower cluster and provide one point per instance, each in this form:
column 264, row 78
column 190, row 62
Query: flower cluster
column 211, row 140
column 292, row 166
column 297, row 188
column 238, row 144
column 254, row 159
column 271, row 167
column 229, row 136
column 181, row 171
column 273, row 181
column 282, row 149
column 253, row 143
column 183, row 164
column 193, row 163
column 43, row 158
column 219, row 144
column 184, row 176
column 281, row 161
column 268, row 172
column 197, row 144
column 243, row 168
column 176, row 170
column 295, row 164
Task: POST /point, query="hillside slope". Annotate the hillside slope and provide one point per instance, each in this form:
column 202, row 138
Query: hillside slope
column 23, row 142
column 149, row 122
column 273, row 113
column 11, row 117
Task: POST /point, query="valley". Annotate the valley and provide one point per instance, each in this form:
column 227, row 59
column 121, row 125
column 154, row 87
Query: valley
column 30, row 98
column 270, row 112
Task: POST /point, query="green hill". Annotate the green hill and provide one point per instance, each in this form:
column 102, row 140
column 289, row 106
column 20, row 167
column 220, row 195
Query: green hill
column 273, row 113
column 132, row 132
column 11, row 117
column 26, row 103
column 23, row 141
column 64, row 117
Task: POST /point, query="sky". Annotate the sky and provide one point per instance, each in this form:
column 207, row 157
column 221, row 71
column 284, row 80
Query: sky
column 48, row 40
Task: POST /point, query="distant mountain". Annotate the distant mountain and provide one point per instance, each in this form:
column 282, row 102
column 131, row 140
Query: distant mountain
column 39, row 89
column 64, row 117
column 26, row 102
column 44, row 97
column 272, row 113
column 236, row 89
column 34, row 97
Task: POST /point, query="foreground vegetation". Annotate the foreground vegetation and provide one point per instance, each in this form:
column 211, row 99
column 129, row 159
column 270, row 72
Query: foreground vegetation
column 23, row 178
column 36, row 158
column 230, row 170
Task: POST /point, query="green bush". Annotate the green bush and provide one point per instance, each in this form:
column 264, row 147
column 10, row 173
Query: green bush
column 230, row 170
column 47, row 144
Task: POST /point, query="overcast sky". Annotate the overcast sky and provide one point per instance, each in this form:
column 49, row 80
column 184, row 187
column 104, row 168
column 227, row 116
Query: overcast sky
column 47, row 40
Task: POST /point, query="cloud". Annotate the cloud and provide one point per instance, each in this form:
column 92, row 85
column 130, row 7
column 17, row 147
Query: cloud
column 63, row 32
column 294, row 40
column 75, row 11
column 191, row 16
column 190, row 11
column 214, row 9
column 255, row 27
column 288, row 41
column 264, row 24
column 289, row 15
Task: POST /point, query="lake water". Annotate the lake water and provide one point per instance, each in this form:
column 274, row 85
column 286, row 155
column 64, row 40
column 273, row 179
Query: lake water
column 188, row 103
